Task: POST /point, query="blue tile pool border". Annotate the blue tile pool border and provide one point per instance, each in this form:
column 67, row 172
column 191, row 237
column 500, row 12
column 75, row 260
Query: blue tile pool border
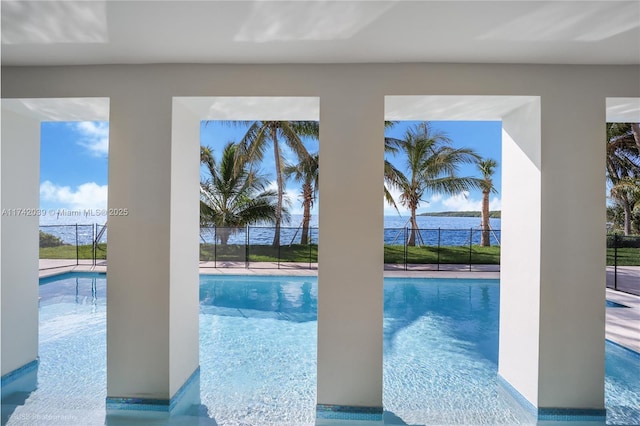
column 553, row 414
column 19, row 372
column 348, row 412
column 195, row 377
column 149, row 404
column 633, row 353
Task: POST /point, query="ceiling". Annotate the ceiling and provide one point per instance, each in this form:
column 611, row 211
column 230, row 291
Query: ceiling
column 138, row 32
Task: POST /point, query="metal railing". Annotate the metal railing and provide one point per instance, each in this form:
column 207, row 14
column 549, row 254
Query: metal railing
column 440, row 249
column 252, row 246
column 72, row 245
column 435, row 249
column 623, row 263
column 432, row 249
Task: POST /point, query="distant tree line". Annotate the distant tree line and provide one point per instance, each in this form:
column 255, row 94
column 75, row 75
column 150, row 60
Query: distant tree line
column 496, row 214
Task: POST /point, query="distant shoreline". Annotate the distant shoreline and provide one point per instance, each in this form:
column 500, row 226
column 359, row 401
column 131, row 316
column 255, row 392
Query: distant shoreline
column 493, row 214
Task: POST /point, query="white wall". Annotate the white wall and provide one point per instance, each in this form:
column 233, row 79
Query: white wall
column 350, row 254
column 20, row 190
column 138, row 254
column 152, row 309
column 569, row 280
column 184, row 325
column 573, row 250
column 520, row 249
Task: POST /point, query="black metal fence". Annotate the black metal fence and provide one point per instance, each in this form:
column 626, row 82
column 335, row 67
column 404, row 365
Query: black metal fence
column 623, row 263
column 252, row 246
column 72, row 245
column 441, row 249
column 420, row 249
column 432, row 249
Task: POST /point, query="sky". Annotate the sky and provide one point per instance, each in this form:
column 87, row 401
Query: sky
column 73, row 165
column 74, row 162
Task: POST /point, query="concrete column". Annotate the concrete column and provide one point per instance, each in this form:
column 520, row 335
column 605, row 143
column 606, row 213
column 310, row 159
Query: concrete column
column 350, row 275
column 552, row 309
column 20, row 155
column 152, row 291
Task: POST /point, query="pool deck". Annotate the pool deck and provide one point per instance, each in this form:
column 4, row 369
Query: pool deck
column 622, row 324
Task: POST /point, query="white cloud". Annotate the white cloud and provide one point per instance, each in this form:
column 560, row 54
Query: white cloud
column 292, row 199
column 94, row 136
column 390, row 210
column 437, row 203
column 89, row 195
column 495, row 204
column 295, row 201
column 462, row 202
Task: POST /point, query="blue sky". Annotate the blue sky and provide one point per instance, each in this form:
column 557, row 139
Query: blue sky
column 73, row 172
column 73, row 165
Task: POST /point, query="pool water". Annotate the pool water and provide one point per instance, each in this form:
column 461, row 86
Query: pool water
column 258, row 355
column 612, row 304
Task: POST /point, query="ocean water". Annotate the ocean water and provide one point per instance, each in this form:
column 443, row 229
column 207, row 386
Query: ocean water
column 446, row 230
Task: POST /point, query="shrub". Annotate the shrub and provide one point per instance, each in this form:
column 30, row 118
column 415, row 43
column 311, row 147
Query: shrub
column 631, row 241
column 48, row 240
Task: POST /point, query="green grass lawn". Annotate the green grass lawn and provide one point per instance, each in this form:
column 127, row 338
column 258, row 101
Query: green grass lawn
column 306, row 254
column 259, row 253
column 448, row 254
column 626, row 256
column 69, row 252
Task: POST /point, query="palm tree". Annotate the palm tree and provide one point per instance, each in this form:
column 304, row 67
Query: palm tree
column 253, row 145
column 623, row 167
column 487, row 168
column 232, row 196
column 432, row 164
column 306, row 172
column 626, row 195
column 393, row 178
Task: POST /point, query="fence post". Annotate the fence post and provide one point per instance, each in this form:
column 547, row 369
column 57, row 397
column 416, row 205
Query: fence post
column 438, row 249
column 406, row 249
column 278, row 254
column 215, row 246
column 470, row 246
column 309, row 241
column 615, row 261
column 77, row 249
column 94, row 250
column 246, row 249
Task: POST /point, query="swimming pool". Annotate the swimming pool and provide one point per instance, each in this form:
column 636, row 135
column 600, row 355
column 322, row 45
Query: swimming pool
column 612, row 304
column 258, row 354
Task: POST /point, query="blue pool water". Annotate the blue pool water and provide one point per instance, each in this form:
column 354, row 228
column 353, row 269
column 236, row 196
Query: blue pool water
column 612, row 304
column 258, row 354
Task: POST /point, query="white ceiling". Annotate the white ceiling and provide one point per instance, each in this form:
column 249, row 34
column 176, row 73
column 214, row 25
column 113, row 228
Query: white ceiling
column 118, row 32
column 619, row 110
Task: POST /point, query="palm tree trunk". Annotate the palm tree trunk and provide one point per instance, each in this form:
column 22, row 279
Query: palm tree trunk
column 276, row 152
column 306, row 216
column 485, row 238
column 414, row 226
column 223, row 233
